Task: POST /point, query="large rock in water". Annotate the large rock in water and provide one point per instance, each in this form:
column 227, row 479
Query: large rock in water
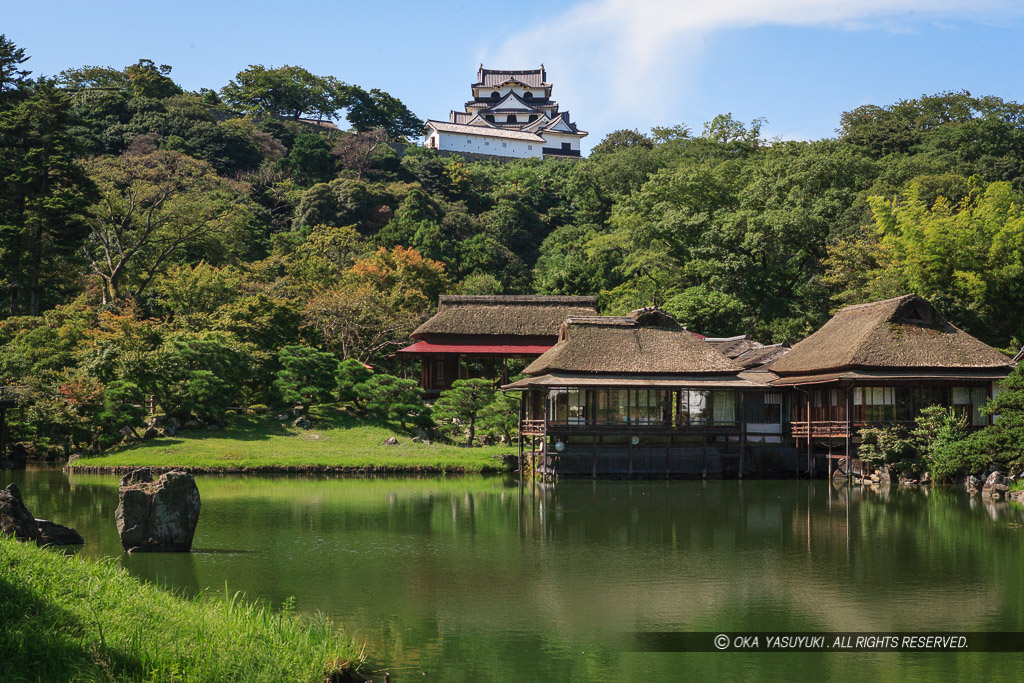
column 157, row 515
column 15, row 519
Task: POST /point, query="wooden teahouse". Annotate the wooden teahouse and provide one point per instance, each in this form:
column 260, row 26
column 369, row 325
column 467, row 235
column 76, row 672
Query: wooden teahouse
column 485, row 336
column 878, row 364
column 634, row 395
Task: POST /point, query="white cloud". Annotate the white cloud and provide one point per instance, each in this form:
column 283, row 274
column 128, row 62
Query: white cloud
column 603, row 55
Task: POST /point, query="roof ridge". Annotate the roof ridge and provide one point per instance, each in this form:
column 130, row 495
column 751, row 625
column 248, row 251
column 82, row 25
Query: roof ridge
column 879, row 302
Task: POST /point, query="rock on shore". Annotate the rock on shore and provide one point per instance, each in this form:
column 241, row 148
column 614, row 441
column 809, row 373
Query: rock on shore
column 157, row 516
column 17, row 521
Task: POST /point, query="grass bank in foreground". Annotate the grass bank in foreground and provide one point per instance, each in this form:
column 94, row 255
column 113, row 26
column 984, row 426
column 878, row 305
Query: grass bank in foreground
column 338, row 441
column 67, row 618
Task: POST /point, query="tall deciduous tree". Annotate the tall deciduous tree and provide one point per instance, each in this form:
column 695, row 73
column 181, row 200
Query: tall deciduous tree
column 153, row 209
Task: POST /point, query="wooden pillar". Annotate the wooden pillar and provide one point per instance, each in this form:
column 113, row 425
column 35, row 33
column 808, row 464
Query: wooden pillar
column 704, row 446
column 631, row 455
column 743, row 429
column 849, row 428
column 666, row 455
column 522, row 406
column 593, row 458
column 810, row 441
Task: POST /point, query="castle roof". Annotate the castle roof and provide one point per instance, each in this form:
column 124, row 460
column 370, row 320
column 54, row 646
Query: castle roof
column 533, row 78
column 483, row 129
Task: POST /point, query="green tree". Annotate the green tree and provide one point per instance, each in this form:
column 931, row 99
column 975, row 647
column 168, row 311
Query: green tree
column 197, row 375
column 391, row 398
column 12, row 76
column 155, row 209
column 307, row 376
column 352, row 373
column 310, row 160
column 375, row 108
column 1000, row 444
column 500, row 417
column 43, row 193
column 458, row 409
column 623, row 138
column 123, row 406
column 288, row 91
column 965, row 257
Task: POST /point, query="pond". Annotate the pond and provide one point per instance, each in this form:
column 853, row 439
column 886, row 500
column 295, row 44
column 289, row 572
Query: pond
column 478, row 578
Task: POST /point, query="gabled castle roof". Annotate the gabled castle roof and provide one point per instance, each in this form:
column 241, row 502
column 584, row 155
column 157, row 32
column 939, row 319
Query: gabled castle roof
column 489, row 130
column 904, row 333
column 533, row 78
column 646, row 342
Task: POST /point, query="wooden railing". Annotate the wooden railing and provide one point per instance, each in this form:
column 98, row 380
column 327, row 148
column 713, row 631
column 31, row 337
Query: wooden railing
column 533, row 427
column 824, row 428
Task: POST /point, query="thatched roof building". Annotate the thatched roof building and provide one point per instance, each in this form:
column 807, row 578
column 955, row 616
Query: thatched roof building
column 900, row 337
column 747, row 352
column 491, row 330
column 646, row 347
column 537, row 316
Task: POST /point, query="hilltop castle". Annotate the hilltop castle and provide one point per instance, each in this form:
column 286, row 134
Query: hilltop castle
column 511, row 115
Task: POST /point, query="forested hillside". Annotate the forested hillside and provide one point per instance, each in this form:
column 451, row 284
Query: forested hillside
column 160, row 242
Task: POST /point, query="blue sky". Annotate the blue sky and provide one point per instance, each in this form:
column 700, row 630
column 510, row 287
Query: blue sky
column 614, row 63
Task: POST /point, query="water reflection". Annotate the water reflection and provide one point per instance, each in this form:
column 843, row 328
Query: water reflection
column 483, row 578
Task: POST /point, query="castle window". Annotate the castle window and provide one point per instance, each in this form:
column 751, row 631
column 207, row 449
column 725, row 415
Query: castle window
column 504, row 144
column 512, row 118
column 529, row 147
column 495, row 95
column 533, row 117
column 490, row 117
column 528, row 96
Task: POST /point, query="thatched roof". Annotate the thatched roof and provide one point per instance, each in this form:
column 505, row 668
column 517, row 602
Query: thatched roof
column 537, row 316
column 761, row 355
column 651, row 381
column 647, row 341
column 747, row 352
column 733, row 346
column 904, row 333
column 1020, row 355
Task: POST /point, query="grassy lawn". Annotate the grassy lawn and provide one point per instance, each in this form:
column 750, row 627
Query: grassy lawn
column 66, row 618
column 337, row 440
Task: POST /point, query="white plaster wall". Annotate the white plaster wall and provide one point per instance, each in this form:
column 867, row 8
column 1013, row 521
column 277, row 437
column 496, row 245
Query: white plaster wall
column 481, row 144
column 556, row 140
column 538, row 93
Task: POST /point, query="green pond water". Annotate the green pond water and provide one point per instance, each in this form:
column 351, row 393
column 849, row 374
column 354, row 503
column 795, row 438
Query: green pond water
column 477, row 578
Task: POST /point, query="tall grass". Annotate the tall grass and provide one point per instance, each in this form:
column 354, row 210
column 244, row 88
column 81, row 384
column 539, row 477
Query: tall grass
column 67, row 618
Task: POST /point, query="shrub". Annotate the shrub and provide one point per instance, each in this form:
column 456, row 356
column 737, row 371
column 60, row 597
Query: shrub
column 888, row 447
column 392, row 398
column 307, row 376
column 458, row 409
